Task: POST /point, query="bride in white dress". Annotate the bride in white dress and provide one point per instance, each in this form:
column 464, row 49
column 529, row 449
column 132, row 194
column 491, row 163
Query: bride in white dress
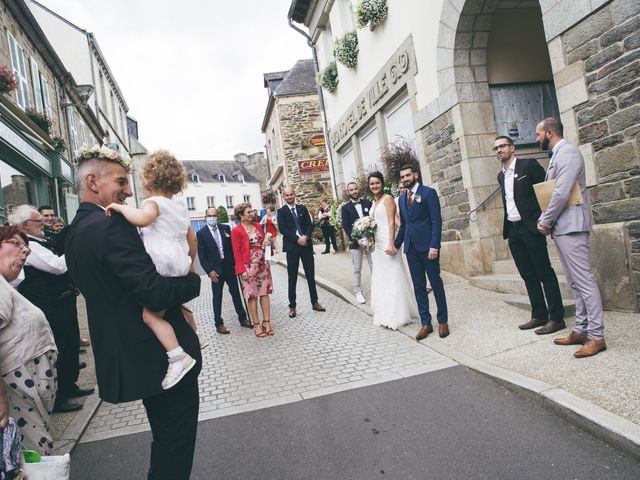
column 392, row 299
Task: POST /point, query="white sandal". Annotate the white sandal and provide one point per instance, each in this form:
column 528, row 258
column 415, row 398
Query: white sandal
column 173, row 376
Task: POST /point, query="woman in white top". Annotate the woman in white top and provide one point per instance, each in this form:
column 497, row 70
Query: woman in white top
column 27, row 352
column 170, row 242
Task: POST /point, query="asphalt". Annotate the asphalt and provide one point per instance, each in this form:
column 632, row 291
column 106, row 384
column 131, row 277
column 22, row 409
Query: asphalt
column 452, row 423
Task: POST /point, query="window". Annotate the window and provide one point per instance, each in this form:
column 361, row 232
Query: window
column 211, row 202
column 84, row 135
column 35, row 83
column 247, row 199
column 229, row 201
column 349, row 18
column 348, row 165
column 191, row 203
column 240, row 177
column 114, row 115
column 399, row 121
column 103, row 94
column 19, row 68
column 73, row 133
column 370, row 150
column 194, row 177
column 222, row 178
column 45, row 95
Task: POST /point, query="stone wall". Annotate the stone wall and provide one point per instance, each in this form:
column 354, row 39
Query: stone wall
column 606, row 47
column 443, row 158
column 299, row 120
column 258, row 166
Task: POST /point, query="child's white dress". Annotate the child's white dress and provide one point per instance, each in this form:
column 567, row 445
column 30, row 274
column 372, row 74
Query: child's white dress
column 166, row 238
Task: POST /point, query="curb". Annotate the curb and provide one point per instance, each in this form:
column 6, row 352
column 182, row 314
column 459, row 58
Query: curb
column 612, row 429
column 71, row 435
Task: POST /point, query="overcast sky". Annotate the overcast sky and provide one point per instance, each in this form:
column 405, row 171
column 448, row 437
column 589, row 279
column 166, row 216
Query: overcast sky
column 191, row 70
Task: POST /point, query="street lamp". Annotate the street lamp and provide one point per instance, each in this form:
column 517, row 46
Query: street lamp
column 84, row 92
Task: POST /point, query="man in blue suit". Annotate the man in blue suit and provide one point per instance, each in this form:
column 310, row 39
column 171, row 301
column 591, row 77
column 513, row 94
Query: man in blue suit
column 420, row 231
column 216, row 257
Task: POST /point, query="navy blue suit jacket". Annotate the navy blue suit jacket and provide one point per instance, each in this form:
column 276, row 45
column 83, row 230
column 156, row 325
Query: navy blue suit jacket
column 208, row 252
column 350, row 215
column 420, row 223
column 287, row 227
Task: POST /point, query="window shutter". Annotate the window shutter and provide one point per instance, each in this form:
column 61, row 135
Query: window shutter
column 45, row 95
column 35, row 83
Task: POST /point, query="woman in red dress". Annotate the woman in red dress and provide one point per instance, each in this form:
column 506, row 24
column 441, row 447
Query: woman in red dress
column 249, row 241
column 270, row 225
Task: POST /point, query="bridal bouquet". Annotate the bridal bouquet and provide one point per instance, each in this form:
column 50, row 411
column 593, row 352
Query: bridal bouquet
column 363, row 229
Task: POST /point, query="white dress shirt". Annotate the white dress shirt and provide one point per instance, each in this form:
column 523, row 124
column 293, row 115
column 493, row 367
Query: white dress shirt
column 215, row 232
column 294, row 212
column 44, row 259
column 513, row 215
column 358, row 207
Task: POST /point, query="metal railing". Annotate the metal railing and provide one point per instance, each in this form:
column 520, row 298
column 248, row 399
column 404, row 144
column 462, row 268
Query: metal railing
column 473, row 216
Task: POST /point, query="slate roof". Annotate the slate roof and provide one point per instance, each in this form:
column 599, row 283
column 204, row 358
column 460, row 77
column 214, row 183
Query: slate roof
column 208, row 170
column 299, row 80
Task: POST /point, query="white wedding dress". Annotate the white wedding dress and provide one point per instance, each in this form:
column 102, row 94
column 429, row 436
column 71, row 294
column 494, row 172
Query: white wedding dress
column 392, row 299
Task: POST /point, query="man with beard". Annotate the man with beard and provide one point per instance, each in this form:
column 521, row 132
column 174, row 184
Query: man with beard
column 354, row 209
column 528, row 246
column 48, row 216
column 570, row 226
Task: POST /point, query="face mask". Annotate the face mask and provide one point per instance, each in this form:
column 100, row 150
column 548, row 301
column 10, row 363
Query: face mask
column 212, row 221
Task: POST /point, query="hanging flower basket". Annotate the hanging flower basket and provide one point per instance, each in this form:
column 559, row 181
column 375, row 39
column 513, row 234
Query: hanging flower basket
column 59, row 145
column 328, row 77
column 345, row 49
column 370, row 13
column 40, row 119
column 8, row 81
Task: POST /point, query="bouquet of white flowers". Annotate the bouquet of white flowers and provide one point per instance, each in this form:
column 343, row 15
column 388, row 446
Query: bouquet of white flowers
column 363, row 230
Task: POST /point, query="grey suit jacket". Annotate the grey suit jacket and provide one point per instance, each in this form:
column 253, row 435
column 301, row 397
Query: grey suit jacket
column 567, row 166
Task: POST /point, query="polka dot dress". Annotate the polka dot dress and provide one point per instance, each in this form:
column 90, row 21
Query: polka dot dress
column 31, row 392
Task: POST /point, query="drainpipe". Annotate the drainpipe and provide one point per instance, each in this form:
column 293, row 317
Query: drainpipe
column 323, row 114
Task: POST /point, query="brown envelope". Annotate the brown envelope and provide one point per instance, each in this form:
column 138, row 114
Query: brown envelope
column 544, row 190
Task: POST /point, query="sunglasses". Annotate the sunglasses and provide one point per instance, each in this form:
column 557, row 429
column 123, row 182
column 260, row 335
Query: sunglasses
column 18, row 244
column 500, row 147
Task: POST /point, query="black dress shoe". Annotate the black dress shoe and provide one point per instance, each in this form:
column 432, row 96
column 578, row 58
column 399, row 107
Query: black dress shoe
column 79, row 392
column 246, row 323
column 324, row 253
column 551, row 327
column 82, row 365
column 65, row 406
column 82, row 350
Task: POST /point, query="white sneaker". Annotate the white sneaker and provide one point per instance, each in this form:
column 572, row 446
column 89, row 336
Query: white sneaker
column 360, row 298
column 175, row 373
column 204, row 343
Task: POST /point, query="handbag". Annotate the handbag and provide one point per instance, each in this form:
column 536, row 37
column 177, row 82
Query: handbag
column 54, row 467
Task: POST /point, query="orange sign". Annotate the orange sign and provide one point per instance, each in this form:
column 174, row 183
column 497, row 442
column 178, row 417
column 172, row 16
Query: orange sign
column 317, row 140
column 318, row 165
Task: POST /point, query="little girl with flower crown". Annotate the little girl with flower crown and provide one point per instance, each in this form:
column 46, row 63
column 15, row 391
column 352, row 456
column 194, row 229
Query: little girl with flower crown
column 170, row 242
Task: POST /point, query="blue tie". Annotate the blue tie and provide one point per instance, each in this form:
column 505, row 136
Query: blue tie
column 295, row 220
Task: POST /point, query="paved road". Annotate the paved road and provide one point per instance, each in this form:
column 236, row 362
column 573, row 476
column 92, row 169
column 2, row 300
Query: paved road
column 451, row 423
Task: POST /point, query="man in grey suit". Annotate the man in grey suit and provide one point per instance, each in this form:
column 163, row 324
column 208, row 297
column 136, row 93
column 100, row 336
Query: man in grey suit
column 570, row 226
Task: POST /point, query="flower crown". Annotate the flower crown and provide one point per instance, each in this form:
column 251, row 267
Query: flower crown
column 103, row 153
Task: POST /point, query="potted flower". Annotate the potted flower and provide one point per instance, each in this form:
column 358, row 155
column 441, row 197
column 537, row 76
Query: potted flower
column 328, row 77
column 8, row 81
column 370, row 13
column 59, row 145
column 345, row 49
column 40, row 119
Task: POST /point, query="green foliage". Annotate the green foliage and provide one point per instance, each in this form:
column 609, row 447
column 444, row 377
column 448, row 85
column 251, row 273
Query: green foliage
column 59, row 145
column 345, row 49
column 40, row 119
column 328, row 77
column 223, row 216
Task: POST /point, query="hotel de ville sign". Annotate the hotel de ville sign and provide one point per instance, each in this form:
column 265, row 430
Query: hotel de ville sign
column 388, row 81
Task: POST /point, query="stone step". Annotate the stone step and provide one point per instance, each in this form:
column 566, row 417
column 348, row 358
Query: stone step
column 523, row 303
column 508, row 267
column 513, row 284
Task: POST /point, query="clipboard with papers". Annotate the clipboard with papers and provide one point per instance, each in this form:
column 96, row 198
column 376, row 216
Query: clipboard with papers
column 544, row 191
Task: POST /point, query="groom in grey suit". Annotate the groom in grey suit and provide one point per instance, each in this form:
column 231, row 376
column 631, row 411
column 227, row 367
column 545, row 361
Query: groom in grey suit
column 570, row 226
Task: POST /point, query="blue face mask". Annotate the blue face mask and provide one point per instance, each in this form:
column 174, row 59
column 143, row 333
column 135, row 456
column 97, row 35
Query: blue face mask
column 212, row 221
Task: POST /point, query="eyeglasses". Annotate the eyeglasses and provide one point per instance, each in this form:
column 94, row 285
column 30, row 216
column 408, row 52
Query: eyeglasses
column 40, row 220
column 501, row 146
column 18, row 244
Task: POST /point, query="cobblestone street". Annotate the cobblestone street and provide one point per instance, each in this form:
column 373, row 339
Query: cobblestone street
column 311, row 355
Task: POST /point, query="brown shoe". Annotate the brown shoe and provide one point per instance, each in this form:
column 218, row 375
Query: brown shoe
column 84, row 342
column 443, row 330
column 318, row 308
column 533, row 323
column 573, row 339
column 551, row 327
column 424, row 332
column 292, row 312
column 590, row 348
column 222, row 329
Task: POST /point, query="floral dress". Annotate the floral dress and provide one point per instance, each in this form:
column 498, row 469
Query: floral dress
column 258, row 282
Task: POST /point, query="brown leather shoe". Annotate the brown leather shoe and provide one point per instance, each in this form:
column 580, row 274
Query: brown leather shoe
column 222, row 329
column 84, row 342
column 246, row 323
column 424, row 332
column 551, row 327
column 292, row 312
column 318, row 308
column 573, row 339
column 533, row 323
column 443, row 330
column 590, row 348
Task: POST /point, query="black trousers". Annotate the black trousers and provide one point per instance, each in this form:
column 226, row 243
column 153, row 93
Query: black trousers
column 329, row 234
column 529, row 251
column 293, row 262
column 173, row 416
column 63, row 319
column 231, row 280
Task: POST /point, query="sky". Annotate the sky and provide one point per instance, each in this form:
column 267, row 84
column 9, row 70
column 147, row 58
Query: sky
column 191, row 70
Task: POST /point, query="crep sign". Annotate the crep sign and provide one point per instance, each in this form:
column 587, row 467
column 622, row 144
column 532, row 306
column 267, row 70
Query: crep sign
column 318, row 165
